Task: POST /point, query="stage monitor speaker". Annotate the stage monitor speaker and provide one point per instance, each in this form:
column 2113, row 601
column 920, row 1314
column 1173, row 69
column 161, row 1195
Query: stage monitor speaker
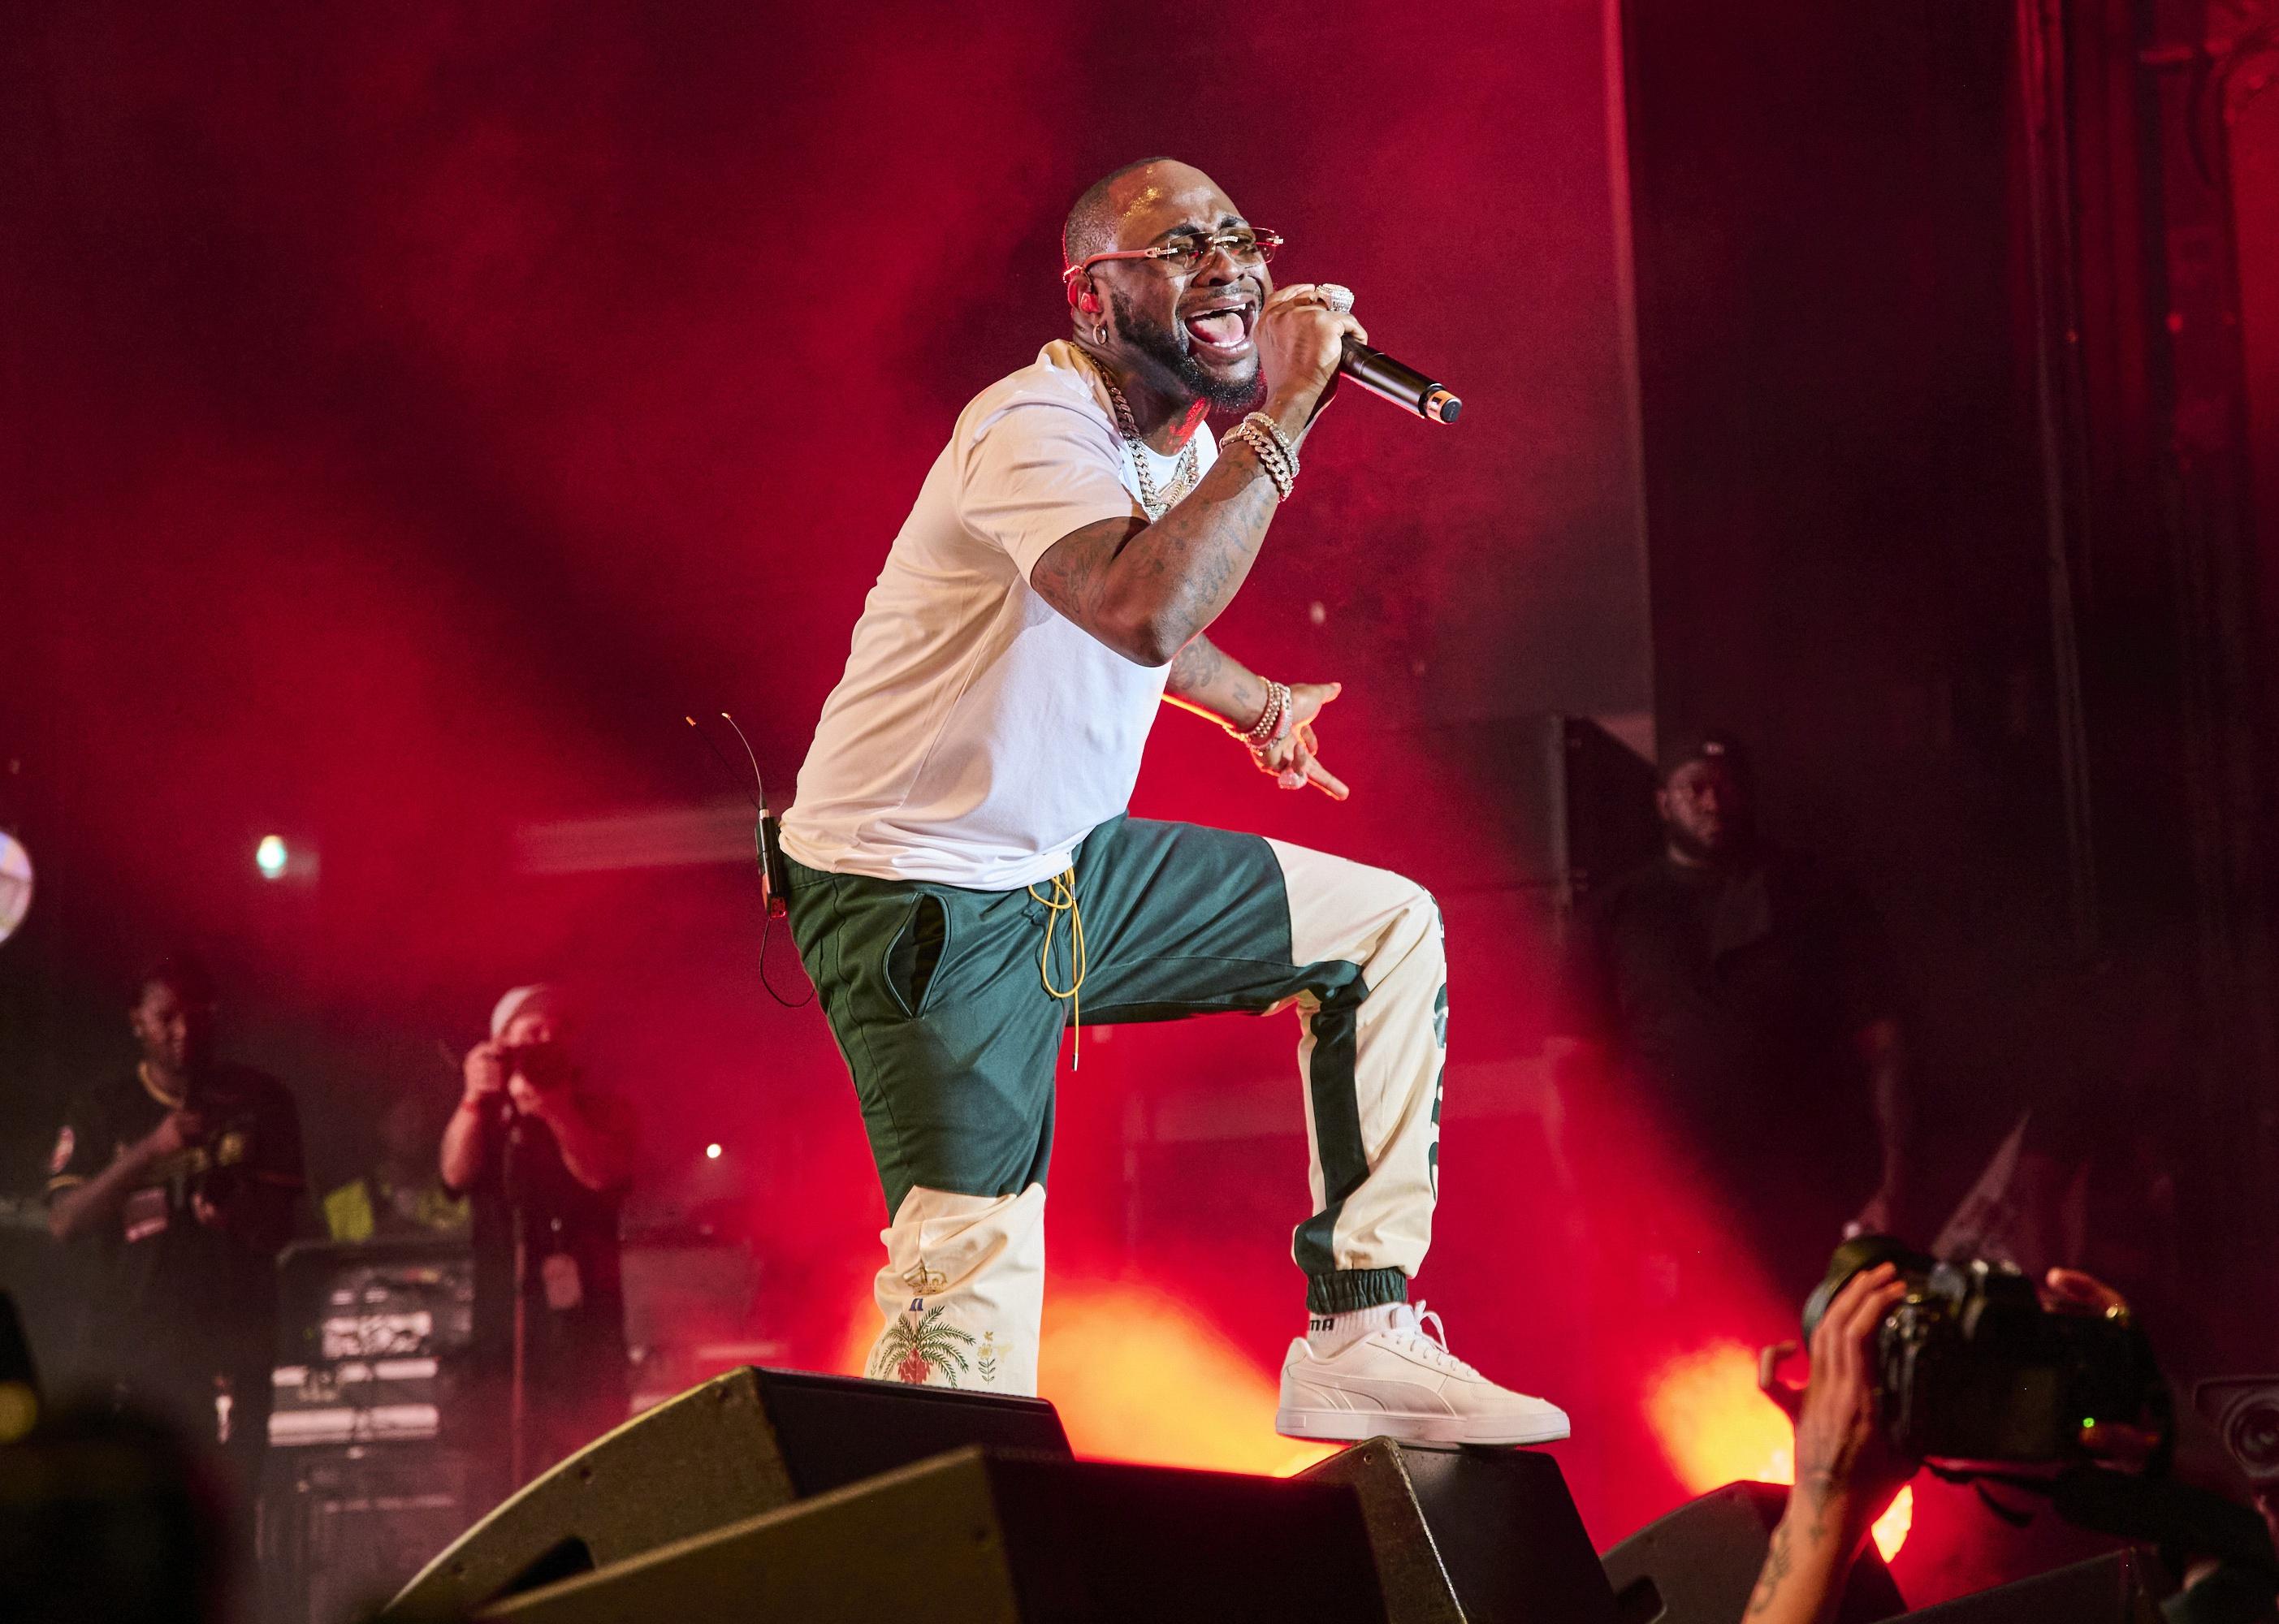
column 2116, row 1589
column 1698, row 1564
column 995, row 1538
column 1483, row 1536
column 741, row 1443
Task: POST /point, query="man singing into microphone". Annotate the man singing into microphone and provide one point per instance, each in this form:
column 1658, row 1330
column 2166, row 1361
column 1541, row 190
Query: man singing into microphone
column 964, row 882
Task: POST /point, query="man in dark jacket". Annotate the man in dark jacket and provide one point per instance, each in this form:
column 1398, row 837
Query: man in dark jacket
column 178, row 1181
column 1749, row 998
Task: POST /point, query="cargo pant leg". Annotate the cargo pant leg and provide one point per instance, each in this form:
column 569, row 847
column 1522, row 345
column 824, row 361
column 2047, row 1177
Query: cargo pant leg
column 1182, row 920
column 933, row 994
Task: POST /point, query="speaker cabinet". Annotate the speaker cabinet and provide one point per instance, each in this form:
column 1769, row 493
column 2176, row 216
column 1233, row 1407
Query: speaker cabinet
column 741, row 1445
column 341, row 1529
column 1698, row 1564
column 1004, row 1539
column 2118, row 1588
column 1488, row 1535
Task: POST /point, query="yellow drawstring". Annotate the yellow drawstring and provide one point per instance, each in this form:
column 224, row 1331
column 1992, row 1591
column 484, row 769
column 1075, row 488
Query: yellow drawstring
column 1063, row 900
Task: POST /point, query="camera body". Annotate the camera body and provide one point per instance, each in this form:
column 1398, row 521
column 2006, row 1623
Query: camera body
column 1972, row 1368
column 544, row 1065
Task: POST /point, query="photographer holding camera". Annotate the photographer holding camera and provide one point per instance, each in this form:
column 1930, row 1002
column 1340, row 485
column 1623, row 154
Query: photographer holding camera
column 545, row 1160
column 1847, row 1470
column 1914, row 1360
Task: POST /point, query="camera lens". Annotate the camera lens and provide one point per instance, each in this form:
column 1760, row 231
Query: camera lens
column 2251, row 1431
column 1861, row 1251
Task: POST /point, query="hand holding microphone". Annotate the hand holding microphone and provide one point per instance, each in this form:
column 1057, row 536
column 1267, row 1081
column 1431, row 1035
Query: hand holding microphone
column 1301, row 337
column 1371, row 369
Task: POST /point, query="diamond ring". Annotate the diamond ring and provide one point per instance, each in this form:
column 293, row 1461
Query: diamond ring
column 1339, row 299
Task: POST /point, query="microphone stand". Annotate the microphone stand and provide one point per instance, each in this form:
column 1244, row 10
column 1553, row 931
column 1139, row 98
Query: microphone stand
column 518, row 1392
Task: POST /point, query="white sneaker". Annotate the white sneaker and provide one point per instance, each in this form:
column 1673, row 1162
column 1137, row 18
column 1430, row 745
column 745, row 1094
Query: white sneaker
column 1400, row 1382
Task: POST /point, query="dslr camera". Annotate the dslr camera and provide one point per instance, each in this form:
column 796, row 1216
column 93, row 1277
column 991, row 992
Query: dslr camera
column 544, row 1065
column 1971, row 1368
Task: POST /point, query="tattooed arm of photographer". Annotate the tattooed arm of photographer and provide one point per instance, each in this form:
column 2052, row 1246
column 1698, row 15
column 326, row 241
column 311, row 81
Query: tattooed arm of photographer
column 1846, row 1473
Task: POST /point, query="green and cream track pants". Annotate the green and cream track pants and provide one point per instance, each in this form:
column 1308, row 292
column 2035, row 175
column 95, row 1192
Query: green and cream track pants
column 942, row 1010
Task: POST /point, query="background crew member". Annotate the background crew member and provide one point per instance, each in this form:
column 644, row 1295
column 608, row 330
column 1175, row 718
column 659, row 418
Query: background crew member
column 530, row 1134
column 967, row 886
column 180, row 1181
column 1750, row 999
column 401, row 1194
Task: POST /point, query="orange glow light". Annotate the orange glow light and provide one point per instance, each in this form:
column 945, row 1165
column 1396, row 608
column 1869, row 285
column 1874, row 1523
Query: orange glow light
column 1715, row 1427
column 1713, row 1424
column 1139, row 1376
column 1891, row 1529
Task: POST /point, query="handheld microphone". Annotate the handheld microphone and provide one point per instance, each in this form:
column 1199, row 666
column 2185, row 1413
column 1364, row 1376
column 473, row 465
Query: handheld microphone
column 1404, row 386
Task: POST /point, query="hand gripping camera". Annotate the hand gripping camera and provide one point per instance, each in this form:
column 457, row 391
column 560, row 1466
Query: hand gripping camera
column 1971, row 1368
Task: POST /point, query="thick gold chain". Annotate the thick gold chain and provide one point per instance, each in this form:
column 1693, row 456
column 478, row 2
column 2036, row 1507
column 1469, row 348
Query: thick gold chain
column 1184, row 478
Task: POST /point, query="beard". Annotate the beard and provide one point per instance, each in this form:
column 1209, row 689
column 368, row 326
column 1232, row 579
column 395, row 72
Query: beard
column 1732, row 849
column 1167, row 349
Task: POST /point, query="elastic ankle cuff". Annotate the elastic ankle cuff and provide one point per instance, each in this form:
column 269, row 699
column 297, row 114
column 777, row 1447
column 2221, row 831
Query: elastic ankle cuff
column 1354, row 1288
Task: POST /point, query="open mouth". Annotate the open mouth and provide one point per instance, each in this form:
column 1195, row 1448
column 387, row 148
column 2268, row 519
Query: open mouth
column 1222, row 330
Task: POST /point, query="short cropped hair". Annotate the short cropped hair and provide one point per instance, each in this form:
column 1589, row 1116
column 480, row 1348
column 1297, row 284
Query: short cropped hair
column 185, row 974
column 1091, row 226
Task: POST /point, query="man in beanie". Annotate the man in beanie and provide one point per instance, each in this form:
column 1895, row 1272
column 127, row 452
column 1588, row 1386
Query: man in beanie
column 545, row 1159
column 1749, row 999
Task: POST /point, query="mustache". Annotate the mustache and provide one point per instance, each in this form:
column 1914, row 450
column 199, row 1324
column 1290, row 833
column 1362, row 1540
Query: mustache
column 1168, row 348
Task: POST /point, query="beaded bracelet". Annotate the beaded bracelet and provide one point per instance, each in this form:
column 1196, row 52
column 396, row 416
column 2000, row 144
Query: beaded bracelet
column 1260, row 732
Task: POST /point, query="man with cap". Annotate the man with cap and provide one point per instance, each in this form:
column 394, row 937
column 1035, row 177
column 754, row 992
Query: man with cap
column 1749, row 998
column 545, row 1160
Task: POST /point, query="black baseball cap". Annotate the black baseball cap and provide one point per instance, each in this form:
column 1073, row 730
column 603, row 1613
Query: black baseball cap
column 1703, row 743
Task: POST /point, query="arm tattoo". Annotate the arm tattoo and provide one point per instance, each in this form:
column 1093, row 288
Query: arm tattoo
column 1777, row 1565
column 1196, row 666
column 1820, row 1479
column 1206, row 678
column 1073, row 576
column 1171, row 577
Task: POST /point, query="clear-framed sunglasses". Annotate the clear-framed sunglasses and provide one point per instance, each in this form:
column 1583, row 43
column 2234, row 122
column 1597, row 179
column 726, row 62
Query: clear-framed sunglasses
column 1243, row 244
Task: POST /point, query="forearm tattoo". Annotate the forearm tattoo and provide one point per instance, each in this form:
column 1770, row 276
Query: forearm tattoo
column 1195, row 668
column 1820, row 1478
column 1778, row 1564
column 1198, row 553
column 1204, row 678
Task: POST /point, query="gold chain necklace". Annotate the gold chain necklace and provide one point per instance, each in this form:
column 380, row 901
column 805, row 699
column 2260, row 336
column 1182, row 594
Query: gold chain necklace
column 1184, row 477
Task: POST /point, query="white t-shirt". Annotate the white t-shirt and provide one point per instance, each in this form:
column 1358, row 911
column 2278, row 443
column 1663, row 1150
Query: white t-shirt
column 977, row 735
